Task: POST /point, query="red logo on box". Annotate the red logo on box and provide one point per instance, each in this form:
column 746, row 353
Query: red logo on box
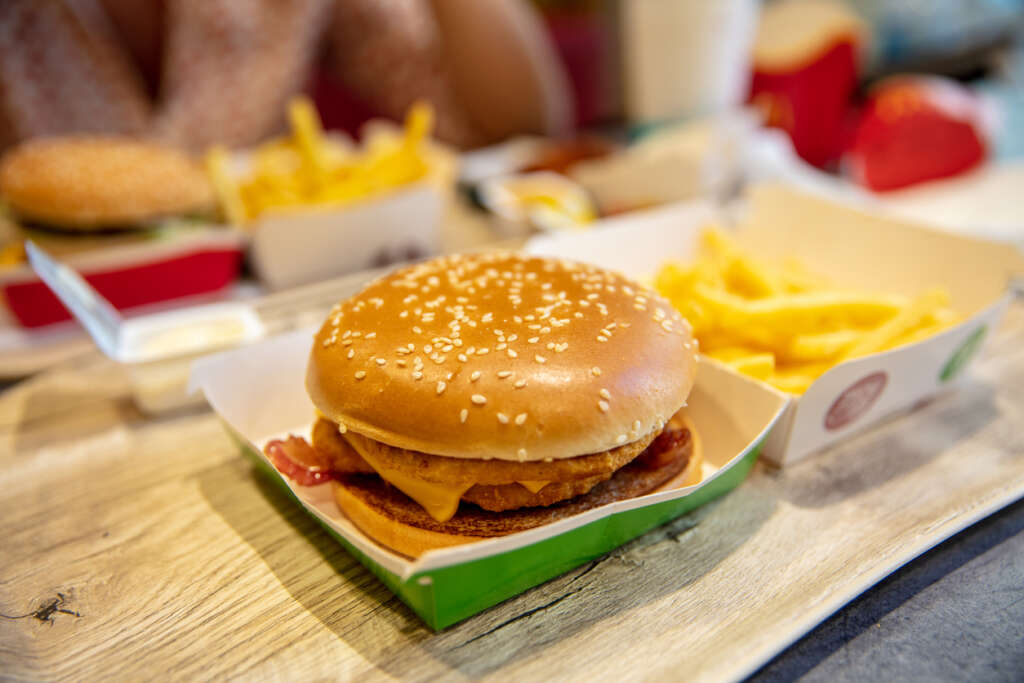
column 855, row 401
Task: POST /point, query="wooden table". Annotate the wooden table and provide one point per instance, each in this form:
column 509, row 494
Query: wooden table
column 137, row 547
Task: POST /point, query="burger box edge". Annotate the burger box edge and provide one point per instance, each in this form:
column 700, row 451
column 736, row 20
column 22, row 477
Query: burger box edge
column 446, row 586
column 157, row 262
column 310, row 243
column 856, row 247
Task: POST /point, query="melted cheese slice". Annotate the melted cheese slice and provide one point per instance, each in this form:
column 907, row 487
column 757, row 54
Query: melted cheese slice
column 439, row 500
column 533, row 486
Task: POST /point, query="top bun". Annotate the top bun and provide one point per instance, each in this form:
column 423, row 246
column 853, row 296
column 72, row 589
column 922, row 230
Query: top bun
column 502, row 355
column 85, row 183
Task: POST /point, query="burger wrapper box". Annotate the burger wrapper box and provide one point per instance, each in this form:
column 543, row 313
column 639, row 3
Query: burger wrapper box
column 855, row 249
column 308, row 244
column 732, row 415
column 130, row 270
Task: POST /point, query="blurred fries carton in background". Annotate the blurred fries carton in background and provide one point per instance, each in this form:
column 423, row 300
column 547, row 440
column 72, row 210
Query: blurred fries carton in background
column 881, row 257
column 318, row 205
column 290, row 248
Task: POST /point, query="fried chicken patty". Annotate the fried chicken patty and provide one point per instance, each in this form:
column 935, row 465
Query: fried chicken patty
column 497, row 484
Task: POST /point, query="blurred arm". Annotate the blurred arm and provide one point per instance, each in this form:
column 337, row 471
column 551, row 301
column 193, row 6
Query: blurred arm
column 504, row 67
column 230, row 67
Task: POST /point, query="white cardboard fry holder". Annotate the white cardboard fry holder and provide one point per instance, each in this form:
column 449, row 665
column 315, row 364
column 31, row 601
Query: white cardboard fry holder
column 854, row 249
column 259, row 393
column 313, row 243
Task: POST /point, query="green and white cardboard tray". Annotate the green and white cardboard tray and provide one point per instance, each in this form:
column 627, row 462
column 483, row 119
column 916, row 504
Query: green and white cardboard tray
column 856, row 249
column 258, row 391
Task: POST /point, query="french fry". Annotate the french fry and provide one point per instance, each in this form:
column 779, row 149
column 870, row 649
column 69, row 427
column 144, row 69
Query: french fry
column 784, row 324
column 811, row 347
column 791, row 383
column 742, row 276
column 224, row 185
column 309, row 135
column 758, row 364
column 309, row 167
column 906, row 320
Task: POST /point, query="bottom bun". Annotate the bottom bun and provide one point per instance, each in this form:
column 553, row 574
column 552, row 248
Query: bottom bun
column 389, row 517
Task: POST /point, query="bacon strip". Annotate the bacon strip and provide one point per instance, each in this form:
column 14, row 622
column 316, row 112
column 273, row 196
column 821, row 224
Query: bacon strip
column 299, row 461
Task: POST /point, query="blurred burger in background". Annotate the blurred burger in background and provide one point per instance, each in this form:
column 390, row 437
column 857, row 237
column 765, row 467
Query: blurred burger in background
column 129, row 214
column 90, row 184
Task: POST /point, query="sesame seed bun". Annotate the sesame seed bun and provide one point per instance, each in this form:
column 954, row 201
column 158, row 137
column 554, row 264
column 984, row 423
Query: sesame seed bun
column 89, row 183
column 389, row 517
column 503, row 356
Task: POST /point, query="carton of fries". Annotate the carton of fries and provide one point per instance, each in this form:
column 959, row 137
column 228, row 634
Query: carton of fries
column 317, row 206
column 858, row 316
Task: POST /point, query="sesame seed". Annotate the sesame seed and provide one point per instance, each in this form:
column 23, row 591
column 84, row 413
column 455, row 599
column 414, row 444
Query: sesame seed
column 342, row 428
column 417, row 375
column 462, row 357
column 540, row 359
column 551, row 346
column 351, row 353
column 447, row 347
column 483, row 352
column 636, row 426
column 605, row 394
column 521, row 453
column 504, row 373
column 602, row 338
column 621, row 439
column 440, row 388
column 475, row 376
column 487, row 317
column 533, row 340
column 360, row 374
column 520, row 419
column 380, row 361
column 345, row 342
column 512, row 354
column 400, row 362
column 463, row 414
column 478, row 399
column 603, row 405
column 371, row 335
column 520, row 383
column 417, row 329
column 503, row 418
column 501, row 346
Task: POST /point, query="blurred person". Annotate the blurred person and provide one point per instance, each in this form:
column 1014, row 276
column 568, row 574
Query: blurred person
column 198, row 72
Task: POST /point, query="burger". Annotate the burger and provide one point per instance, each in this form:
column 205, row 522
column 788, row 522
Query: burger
column 88, row 184
column 475, row 396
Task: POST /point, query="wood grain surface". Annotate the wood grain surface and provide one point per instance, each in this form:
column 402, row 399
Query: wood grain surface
column 140, row 548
